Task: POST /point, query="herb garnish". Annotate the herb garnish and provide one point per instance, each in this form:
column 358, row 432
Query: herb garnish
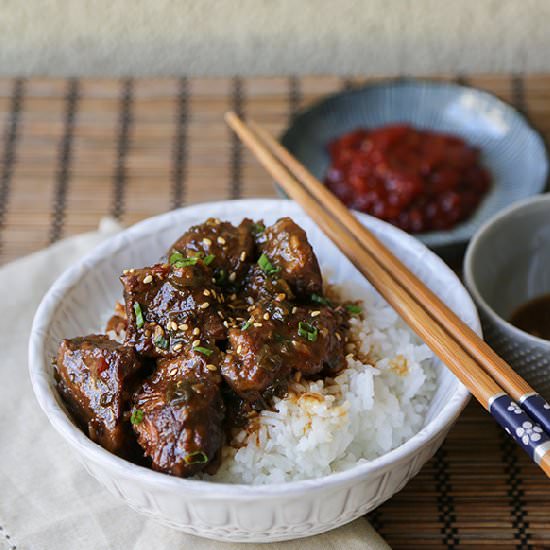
column 257, row 228
column 137, row 417
column 267, row 266
column 204, row 351
column 161, row 342
column 307, row 331
column 246, row 325
column 321, row 300
column 354, row 309
column 198, row 457
column 209, row 259
column 139, row 315
column 177, row 259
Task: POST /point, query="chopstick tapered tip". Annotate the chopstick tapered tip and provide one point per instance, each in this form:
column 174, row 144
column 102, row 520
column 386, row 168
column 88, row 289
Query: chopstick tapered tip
column 230, row 118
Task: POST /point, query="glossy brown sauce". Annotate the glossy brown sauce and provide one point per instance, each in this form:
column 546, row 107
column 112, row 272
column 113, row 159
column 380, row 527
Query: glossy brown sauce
column 534, row 317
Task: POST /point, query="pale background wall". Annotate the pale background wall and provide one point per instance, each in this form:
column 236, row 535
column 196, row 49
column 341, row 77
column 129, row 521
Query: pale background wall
column 165, row 37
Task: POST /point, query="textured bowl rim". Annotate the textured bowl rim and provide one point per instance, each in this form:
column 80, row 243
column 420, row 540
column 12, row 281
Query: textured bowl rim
column 38, row 368
column 433, row 239
column 470, row 258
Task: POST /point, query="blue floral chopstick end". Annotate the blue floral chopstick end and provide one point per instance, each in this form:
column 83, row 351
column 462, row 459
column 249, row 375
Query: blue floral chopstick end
column 537, row 408
column 530, row 435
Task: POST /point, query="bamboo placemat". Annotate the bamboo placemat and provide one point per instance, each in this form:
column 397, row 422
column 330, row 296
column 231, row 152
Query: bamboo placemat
column 73, row 151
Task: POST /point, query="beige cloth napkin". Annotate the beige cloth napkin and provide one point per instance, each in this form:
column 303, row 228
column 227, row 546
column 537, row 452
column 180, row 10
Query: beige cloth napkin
column 47, row 500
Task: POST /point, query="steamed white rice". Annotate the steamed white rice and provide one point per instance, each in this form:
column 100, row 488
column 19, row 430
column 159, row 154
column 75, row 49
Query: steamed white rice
column 377, row 403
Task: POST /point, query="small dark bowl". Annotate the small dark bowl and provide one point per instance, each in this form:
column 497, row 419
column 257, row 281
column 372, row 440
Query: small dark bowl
column 511, row 149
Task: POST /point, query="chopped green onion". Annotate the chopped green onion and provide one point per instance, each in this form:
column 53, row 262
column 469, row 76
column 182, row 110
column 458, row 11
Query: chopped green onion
column 353, row 308
column 186, row 262
column 307, row 331
column 139, row 315
column 137, row 417
column 209, row 259
column 257, row 228
column 267, row 266
column 176, row 257
column 161, row 342
column 198, row 457
column 204, row 351
column 246, row 325
column 321, row 300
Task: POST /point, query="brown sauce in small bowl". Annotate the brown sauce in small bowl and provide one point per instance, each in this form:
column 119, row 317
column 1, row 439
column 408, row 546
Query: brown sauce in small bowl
column 534, row 317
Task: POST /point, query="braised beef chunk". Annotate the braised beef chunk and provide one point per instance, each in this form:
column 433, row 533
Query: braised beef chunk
column 255, row 363
column 317, row 335
column 95, row 376
column 169, row 307
column 178, row 414
column 287, row 249
column 230, row 248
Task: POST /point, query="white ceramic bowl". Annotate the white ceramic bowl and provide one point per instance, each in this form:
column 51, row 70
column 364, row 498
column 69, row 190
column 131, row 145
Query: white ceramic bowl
column 81, row 299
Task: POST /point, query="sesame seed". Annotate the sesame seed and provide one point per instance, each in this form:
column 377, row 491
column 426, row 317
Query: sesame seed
column 266, row 316
column 226, row 324
column 196, row 343
column 174, row 371
column 243, row 256
column 249, row 308
column 349, row 356
column 172, row 325
column 338, row 337
column 204, row 305
column 125, row 271
column 220, row 314
column 233, row 297
column 206, row 292
column 206, row 241
column 183, row 326
column 239, row 348
column 131, row 270
column 257, row 324
column 213, row 280
column 211, row 367
column 294, row 309
column 232, row 277
column 315, row 313
column 196, row 331
column 178, row 346
column 280, row 297
column 221, row 240
column 148, row 279
column 249, row 300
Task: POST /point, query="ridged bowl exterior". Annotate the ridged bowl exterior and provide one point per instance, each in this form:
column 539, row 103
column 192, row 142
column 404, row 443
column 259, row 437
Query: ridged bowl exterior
column 79, row 303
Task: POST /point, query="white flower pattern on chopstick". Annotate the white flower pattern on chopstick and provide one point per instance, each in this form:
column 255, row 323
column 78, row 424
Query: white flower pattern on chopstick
column 515, row 408
column 527, row 432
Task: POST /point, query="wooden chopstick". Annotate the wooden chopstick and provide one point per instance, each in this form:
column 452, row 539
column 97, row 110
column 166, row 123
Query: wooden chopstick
column 405, row 292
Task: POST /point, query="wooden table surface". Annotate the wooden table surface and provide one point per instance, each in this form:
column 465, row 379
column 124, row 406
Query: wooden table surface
column 73, row 151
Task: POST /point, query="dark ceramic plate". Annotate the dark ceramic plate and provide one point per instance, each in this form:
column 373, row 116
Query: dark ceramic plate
column 511, row 149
